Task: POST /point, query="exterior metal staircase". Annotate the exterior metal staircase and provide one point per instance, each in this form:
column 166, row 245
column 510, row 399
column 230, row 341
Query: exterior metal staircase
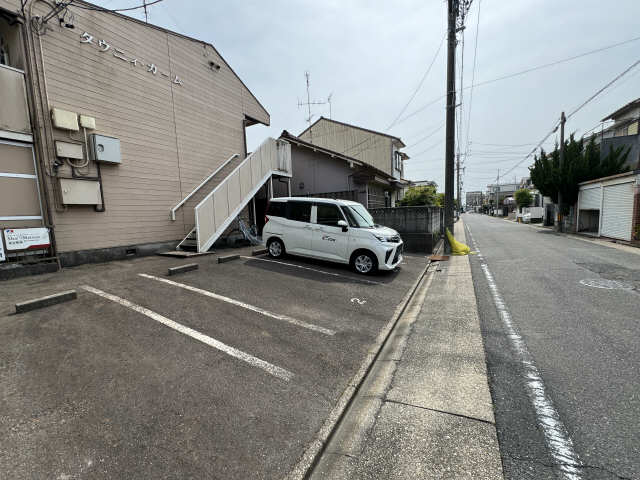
column 223, row 194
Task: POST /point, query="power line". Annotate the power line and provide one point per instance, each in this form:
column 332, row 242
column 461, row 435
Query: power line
column 583, row 104
column 102, row 9
column 419, row 84
column 428, row 148
column 427, row 136
column 473, row 77
column 505, row 144
column 573, row 112
column 523, row 72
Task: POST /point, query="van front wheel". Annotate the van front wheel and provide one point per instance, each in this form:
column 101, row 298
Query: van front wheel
column 275, row 248
column 364, row 262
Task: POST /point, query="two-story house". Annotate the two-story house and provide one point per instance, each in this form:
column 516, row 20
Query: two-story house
column 370, row 148
column 623, row 132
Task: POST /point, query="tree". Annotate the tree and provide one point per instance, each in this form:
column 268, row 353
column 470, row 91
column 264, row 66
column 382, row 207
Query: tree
column 523, row 197
column 422, row 195
column 581, row 163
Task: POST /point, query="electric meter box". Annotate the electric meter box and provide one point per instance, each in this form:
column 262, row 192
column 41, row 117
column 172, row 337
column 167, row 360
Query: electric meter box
column 105, row 149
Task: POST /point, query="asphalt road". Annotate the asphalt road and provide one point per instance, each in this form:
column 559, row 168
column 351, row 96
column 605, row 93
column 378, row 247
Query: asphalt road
column 155, row 380
column 583, row 340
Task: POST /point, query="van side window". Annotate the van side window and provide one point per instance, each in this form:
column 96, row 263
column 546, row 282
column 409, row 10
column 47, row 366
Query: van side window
column 328, row 215
column 300, row 211
column 277, row 209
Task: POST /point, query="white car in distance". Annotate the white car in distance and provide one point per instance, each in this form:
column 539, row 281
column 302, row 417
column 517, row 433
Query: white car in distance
column 340, row 231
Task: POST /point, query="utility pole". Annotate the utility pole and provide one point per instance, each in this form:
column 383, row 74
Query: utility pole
column 452, row 12
column 497, row 192
column 146, row 14
column 563, row 119
column 458, row 186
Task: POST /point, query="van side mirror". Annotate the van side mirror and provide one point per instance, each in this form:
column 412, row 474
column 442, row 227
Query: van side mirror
column 344, row 225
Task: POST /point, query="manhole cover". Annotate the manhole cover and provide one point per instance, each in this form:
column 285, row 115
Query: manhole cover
column 608, row 284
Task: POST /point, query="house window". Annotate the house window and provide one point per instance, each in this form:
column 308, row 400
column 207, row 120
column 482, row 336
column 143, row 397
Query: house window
column 4, row 51
column 397, row 162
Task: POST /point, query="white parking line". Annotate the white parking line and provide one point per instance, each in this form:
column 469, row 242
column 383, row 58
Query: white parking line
column 363, row 280
column 238, row 303
column 212, row 342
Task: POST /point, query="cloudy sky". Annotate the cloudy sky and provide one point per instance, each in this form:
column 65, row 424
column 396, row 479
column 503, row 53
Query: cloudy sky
column 371, row 55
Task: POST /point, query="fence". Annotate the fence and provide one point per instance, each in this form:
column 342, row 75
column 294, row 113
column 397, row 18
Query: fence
column 420, row 227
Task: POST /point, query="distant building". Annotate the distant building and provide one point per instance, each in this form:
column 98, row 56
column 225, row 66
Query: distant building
column 320, row 172
column 377, row 149
column 424, row 183
column 474, row 199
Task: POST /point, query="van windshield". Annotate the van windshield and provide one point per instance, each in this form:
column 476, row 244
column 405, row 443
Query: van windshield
column 358, row 216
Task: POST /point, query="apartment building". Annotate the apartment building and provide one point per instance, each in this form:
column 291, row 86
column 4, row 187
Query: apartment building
column 118, row 137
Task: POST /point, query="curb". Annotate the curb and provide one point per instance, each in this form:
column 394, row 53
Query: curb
column 261, row 251
column 228, row 258
column 182, row 268
column 312, row 454
column 46, row 301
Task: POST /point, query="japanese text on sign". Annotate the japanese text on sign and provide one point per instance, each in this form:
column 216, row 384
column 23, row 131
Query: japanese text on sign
column 103, row 47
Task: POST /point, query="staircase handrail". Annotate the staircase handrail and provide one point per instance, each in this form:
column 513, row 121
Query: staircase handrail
column 204, row 182
column 284, row 169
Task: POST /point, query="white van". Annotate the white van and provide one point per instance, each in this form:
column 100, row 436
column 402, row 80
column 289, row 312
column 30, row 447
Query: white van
column 337, row 230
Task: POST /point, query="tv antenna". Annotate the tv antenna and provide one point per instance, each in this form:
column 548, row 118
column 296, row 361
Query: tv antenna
column 308, row 104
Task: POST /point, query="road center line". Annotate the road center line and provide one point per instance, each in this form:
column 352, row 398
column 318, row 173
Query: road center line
column 212, row 342
column 238, row 303
column 559, row 443
column 363, row 280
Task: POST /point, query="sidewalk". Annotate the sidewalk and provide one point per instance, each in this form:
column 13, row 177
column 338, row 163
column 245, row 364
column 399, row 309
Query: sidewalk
column 425, row 410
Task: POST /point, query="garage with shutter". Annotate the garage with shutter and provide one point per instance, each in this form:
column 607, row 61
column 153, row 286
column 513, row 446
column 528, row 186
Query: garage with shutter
column 617, row 210
column 606, row 206
column 590, row 198
column 589, row 201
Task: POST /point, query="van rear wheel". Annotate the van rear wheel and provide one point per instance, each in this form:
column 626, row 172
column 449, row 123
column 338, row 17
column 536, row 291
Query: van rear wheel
column 275, row 248
column 364, row 262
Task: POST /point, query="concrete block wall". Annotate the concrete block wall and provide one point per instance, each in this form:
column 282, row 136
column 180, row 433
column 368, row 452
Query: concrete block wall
column 420, row 227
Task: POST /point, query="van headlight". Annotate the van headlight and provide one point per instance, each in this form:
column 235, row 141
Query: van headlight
column 382, row 238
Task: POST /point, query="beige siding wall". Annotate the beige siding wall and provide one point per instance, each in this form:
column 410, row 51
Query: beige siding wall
column 369, row 147
column 172, row 136
column 11, row 5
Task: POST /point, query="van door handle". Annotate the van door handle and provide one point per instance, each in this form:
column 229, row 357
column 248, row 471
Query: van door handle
column 308, row 227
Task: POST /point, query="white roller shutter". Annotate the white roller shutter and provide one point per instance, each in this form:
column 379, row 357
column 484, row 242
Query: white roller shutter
column 617, row 211
column 590, row 198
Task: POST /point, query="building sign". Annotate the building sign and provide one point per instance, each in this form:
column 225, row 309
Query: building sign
column 26, row 238
column 102, row 46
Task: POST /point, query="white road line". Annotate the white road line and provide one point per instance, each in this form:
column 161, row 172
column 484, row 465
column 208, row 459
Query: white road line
column 559, row 443
column 212, row 342
column 363, row 280
column 238, row 303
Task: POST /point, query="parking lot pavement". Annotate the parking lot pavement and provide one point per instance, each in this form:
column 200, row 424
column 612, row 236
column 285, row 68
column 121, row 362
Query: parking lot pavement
column 224, row 372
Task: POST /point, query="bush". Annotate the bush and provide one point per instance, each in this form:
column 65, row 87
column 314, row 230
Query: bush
column 523, row 197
